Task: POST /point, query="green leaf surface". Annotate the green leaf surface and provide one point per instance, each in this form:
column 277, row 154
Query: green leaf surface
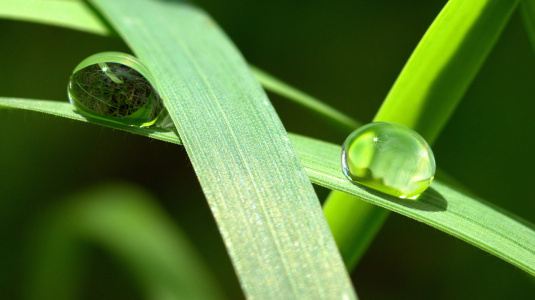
column 471, row 219
column 264, row 205
column 125, row 222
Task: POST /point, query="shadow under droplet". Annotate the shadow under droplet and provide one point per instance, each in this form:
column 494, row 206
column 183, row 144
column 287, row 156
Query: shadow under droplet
column 430, row 200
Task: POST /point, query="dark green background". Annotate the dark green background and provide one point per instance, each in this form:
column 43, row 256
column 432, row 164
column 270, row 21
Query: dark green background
column 347, row 53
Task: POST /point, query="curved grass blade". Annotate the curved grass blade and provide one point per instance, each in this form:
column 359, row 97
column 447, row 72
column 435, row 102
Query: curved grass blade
column 423, row 98
column 124, row 221
column 265, row 207
column 473, row 220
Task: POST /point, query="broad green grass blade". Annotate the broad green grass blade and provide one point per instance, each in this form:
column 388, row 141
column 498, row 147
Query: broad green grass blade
column 71, row 14
column 123, row 221
column 265, row 207
column 527, row 8
column 77, row 15
column 466, row 217
column 423, row 98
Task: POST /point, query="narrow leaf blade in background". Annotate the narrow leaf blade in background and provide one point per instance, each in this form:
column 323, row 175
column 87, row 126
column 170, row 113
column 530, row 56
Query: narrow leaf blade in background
column 123, row 221
column 278, row 87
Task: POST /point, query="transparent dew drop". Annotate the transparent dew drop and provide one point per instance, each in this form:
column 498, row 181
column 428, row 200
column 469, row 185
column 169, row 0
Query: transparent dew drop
column 104, row 89
column 390, row 158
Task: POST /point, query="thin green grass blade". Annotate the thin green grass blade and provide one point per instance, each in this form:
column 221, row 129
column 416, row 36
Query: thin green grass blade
column 265, row 207
column 423, row 98
column 65, row 110
column 473, row 220
column 278, row 87
column 77, row 15
column 70, row 14
column 123, row 221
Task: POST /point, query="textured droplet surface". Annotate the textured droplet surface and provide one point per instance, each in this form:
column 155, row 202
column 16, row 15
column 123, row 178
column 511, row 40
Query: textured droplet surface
column 114, row 92
column 390, row 158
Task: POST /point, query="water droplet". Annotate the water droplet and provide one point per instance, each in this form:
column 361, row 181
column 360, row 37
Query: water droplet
column 390, row 158
column 112, row 86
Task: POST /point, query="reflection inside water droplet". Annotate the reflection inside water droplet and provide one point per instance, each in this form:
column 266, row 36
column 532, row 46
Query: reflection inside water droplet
column 114, row 92
column 390, row 158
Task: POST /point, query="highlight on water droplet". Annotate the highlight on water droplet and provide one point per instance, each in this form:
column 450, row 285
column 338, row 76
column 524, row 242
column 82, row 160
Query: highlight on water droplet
column 113, row 87
column 390, row 158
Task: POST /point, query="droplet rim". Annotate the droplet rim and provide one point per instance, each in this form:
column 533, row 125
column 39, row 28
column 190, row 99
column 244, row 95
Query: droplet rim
column 131, row 62
column 345, row 169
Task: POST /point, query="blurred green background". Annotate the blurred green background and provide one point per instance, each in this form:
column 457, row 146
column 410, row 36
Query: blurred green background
column 347, row 53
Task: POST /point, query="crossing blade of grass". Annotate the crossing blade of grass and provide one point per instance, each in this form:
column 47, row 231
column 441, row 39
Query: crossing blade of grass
column 423, row 98
column 265, row 206
column 123, row 221
column 473, row 220
column 78, row 15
